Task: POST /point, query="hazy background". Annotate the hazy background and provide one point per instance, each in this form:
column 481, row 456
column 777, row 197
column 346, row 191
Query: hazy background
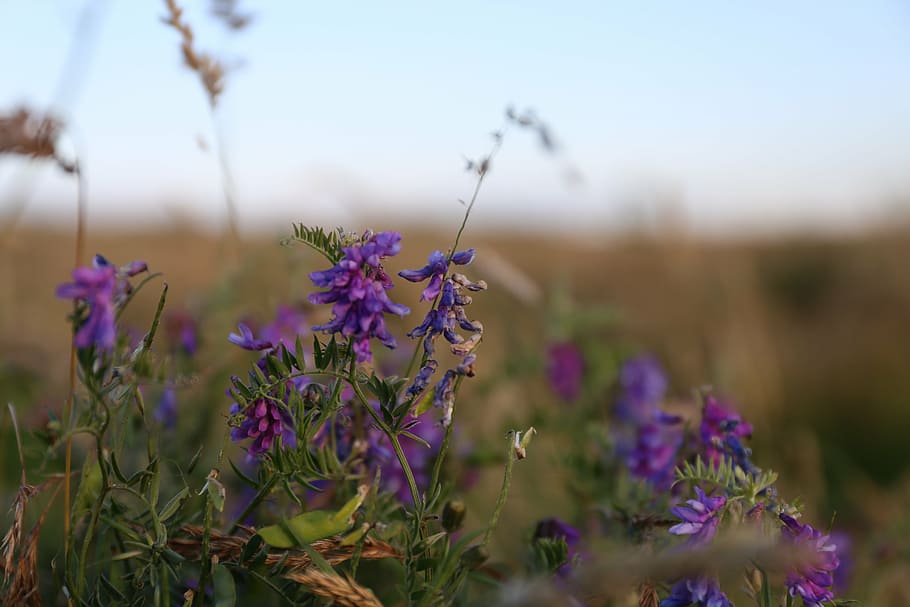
column 729, row 182
column 728, row 118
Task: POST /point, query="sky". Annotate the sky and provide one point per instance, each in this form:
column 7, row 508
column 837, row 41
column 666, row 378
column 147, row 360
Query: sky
column 723, row 116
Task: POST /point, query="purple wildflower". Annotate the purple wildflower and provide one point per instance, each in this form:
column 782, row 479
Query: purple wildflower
column 700, row 518
column 444, row 318
column 263, row 422
column 102, row 288
column 181, row 331
column 844, row 572
column 653, row 455
column 718, row 422
column 247, row 341
column 647, row 438
column 288, row 324
column 813, row 578
column 565, row 368
column 166, row 412
column 643, row 385
column 423, row 378
column 357, row 287
column 701, row 591
column 554, row 528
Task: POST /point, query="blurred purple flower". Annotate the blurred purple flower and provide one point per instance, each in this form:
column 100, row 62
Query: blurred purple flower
column 653, row 455
column 718, row 422
column 844, row 573
column 643, row 384
column 701, row 591
column 647, row 438
column 565, row 369
column 289, row 323
column 182, row 332
column 813, row 578
column 357, row 287
column 247, row 341
column 700, row 518
column 166, row 412
column 263, row 422
column 554, row 528
column 102, row 288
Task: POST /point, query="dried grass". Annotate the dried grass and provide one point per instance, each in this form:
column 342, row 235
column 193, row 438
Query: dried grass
column 26, row 133
column 342, row 591
column 209, row 69
column 647, row 596
column 229, row 548
column 20, row 559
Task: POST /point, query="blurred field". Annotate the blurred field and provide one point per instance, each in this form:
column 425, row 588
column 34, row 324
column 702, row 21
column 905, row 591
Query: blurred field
column 810, row 334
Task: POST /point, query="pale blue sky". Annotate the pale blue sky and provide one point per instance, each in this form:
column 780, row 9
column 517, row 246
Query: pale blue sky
column 747, row 114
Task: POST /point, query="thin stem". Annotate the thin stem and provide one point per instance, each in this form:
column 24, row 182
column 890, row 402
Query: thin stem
column 396, row 445
column 503, row 493
column 227, row 180
column 68, row 406
column 482, row 172
column 257, row 499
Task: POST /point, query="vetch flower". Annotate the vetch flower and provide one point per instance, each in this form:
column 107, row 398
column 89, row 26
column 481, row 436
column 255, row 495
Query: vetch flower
column 166, row 412
column 718, row 422
column 811, row 579
column 565, row 369
column 102, row 287
column 357, row 287
column 446, row 315
column 247, row 341
column 289, row 323
column 701, row 591
column 181, row 331
column 263, row 421
column 643, row 384
column 700, row 518
column 653, row 454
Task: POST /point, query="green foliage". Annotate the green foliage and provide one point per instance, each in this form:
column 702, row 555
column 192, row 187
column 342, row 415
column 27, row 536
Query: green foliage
column 328, row 244
column 315, row 525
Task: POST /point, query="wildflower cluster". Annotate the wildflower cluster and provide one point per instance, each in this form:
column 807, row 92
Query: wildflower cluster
column 648, row 438
column 446, row 315
column 100, row 291
column 357, row 287
column 707, row 454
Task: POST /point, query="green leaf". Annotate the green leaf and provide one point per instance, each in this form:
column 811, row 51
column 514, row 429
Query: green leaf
column 171, row 508
column 326, row 244
column 314, row 525
column 225, row 591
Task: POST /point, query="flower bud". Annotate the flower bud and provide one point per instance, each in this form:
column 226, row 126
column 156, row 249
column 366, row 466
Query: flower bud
column 453, row 515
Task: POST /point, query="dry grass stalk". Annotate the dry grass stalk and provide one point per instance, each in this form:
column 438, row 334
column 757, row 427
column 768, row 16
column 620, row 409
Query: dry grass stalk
column 210, row 70
column 23, row 590
column 229, row 548
column 647, row 596
column 26, row 133
column 13, row 537
column 342, row 591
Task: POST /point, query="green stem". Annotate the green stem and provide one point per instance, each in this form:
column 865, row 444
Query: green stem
column 87, row 540
column 257, row 499
column 206, row 563
column 503, row 493
column 396, row 445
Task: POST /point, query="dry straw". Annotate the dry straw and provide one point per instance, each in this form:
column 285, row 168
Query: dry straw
column 24, row 132
column 210, row 70
column 343, row 591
